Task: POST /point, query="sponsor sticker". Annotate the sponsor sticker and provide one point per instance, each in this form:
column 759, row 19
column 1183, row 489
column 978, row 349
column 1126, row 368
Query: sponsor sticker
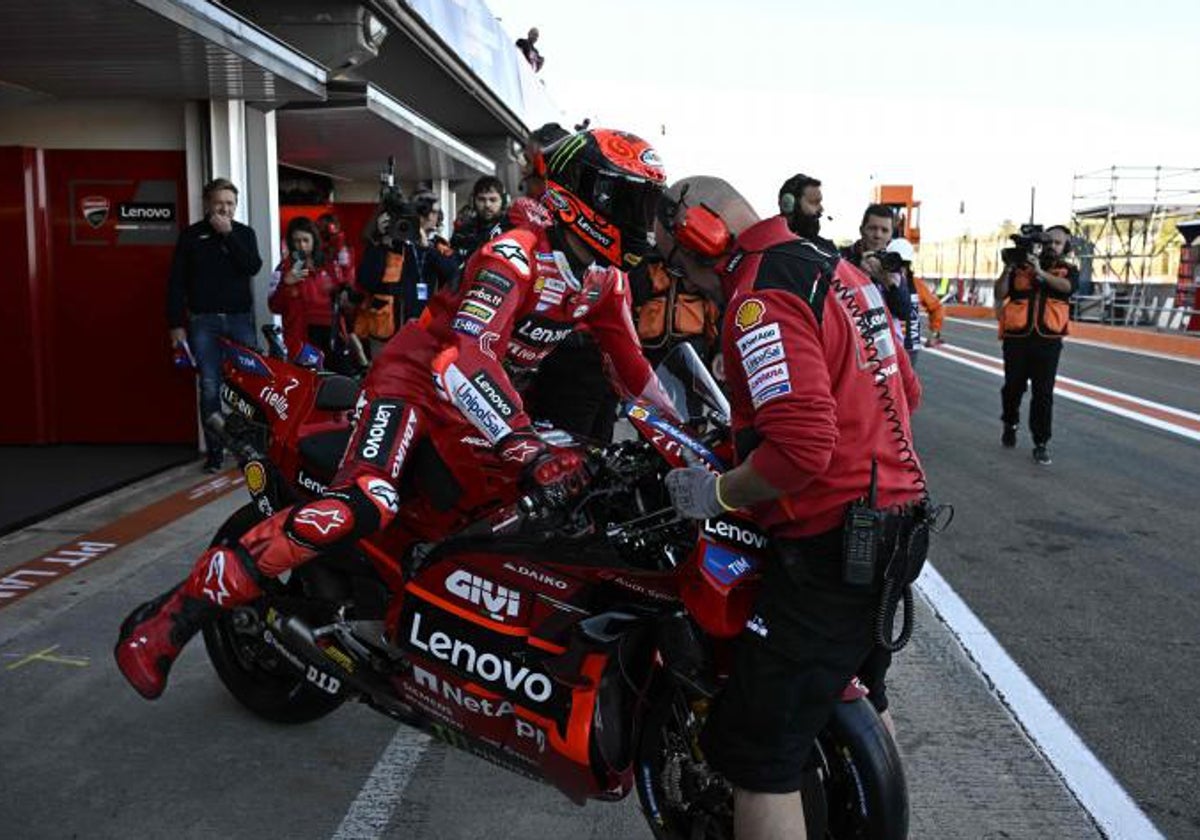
column 497, row 281
column 466, row 326
column 496, row 600
column 762, row 357
column 768, row 394
column 726, row 565
column 638, row 413
column 494, row 393
column 474, row 405
column 484, row 296
column 256, row 477
column 480, row 312
column 749, row 314
column 757, row 338
column 376, row 443
column 768, row 376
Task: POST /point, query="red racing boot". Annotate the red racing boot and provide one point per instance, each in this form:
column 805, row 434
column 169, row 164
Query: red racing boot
column 153, row 635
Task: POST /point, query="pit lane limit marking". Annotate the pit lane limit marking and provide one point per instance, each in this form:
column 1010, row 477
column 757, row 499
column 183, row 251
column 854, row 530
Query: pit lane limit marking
column 45, row 655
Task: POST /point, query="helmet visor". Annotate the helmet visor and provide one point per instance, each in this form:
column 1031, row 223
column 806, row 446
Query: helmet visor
column 628, row 203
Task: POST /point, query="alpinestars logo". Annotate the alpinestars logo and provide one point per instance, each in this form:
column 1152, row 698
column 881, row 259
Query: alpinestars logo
column 496, row 599
column 215, row 589
column 514, row 253
column 323, row 521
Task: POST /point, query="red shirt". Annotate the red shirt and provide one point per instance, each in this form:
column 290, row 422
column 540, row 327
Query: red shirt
column 518, row 299
column 304, row 304
column 809, row 411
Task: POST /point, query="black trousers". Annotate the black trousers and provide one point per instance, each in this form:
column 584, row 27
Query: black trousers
column 1034, row 360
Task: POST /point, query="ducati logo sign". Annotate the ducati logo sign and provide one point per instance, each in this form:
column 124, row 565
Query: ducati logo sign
column 95, row 210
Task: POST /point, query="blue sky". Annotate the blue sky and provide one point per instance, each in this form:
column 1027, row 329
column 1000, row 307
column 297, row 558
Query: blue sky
column 971, row 102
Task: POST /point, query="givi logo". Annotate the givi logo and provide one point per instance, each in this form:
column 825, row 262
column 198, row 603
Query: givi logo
column 95, row 209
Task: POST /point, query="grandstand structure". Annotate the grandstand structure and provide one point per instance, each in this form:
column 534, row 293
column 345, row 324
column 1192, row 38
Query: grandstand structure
column 1126, row 220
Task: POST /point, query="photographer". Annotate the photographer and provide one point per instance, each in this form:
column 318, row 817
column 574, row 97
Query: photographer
column 885, row 269
column 402, row 267
column 1033, row 306
column 304, row 285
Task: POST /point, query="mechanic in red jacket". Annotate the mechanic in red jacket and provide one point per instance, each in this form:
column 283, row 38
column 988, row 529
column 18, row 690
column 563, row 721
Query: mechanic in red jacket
column 821, row 400
column 448, row 377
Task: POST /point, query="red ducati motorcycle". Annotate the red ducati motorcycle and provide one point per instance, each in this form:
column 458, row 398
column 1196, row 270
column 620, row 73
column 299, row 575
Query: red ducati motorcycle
column 580, row 647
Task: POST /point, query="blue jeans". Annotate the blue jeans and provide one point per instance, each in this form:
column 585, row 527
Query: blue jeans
column 204, row 328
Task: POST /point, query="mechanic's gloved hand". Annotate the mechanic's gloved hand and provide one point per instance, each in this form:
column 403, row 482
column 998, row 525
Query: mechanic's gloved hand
column 551, row 475
column 695, row 493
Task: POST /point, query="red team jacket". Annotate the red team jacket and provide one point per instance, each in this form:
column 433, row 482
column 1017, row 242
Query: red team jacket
column 810, row 407
column 517, row 301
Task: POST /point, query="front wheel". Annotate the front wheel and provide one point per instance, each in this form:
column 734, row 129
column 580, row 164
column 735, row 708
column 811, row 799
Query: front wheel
column 855, row 789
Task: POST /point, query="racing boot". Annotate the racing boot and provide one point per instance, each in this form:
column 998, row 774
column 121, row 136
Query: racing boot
column 153, row 635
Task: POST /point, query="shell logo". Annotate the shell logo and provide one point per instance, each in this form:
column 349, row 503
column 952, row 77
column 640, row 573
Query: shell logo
column 256, row 477
column 749, row 314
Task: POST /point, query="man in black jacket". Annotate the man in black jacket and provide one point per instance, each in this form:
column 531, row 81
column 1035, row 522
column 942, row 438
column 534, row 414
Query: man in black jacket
column 208, row 295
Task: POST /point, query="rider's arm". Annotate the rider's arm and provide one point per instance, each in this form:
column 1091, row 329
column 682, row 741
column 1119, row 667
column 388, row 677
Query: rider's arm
column 468, row 372
column 611, row 322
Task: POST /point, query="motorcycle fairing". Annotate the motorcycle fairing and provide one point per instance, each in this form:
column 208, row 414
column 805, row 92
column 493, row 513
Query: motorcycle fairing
column 668, row 438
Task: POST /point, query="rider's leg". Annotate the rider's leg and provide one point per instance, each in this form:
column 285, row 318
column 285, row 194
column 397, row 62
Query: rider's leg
column 361, row 500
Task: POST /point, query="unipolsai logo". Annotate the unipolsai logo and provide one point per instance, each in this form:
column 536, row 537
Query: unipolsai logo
column 94, row 209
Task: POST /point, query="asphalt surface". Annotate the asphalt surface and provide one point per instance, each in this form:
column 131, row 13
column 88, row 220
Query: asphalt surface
column 1085, row 571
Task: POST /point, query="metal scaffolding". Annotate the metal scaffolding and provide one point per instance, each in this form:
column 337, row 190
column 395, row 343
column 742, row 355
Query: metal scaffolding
column 1125, row 216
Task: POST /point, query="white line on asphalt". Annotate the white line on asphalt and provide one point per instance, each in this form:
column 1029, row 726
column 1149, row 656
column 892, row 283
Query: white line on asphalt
column 991, row 326
column 1156, row 422
column 1117, row 815
column 372, row 809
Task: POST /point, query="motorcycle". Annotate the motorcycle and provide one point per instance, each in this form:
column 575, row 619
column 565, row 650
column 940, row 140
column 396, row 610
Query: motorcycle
column 578, row 646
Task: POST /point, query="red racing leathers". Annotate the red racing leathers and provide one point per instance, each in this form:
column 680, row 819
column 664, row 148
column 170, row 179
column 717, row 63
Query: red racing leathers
column 816, row 385
column 445, row 377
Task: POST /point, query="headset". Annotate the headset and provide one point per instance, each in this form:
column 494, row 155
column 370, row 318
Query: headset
column 698, row 228
column 1070, row 246
column 792, row 189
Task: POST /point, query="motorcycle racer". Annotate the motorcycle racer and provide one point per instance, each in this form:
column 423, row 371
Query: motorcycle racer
column 455, row 373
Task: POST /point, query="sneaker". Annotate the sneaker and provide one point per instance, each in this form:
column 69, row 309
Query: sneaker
column 1041, row 455
column 212, row 465
column 1008, row 438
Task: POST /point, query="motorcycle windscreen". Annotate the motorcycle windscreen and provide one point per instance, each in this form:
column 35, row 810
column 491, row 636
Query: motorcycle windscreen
column 693, row 392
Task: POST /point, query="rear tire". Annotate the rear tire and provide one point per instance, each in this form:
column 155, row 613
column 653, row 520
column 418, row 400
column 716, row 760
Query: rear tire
column 856, row 790
column 256, row 676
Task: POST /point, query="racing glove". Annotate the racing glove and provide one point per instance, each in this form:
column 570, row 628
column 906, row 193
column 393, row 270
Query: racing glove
column 551, row 475
column 696, row 493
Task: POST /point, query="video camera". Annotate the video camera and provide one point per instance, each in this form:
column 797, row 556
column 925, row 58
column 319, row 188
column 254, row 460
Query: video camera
column 1031, row 240
column 402, row 214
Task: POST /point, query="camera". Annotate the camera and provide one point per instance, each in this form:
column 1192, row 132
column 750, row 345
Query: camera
column 1030, row 241
column 402, row 213
column 890, row 261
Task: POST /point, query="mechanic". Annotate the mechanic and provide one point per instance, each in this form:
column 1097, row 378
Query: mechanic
column 821, row 400
column 446, row 377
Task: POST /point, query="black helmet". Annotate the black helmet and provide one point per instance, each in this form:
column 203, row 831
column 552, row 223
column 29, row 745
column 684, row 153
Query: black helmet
column 604, row 186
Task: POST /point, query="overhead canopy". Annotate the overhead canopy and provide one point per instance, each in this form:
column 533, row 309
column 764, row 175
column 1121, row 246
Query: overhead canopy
column 352, row 135
column 146, row 49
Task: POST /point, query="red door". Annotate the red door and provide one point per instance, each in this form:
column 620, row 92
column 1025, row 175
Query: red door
column 114, row 219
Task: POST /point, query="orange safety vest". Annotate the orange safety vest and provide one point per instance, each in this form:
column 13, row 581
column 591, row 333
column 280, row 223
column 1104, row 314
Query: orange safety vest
column 1034, row 309
column 691, row 314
